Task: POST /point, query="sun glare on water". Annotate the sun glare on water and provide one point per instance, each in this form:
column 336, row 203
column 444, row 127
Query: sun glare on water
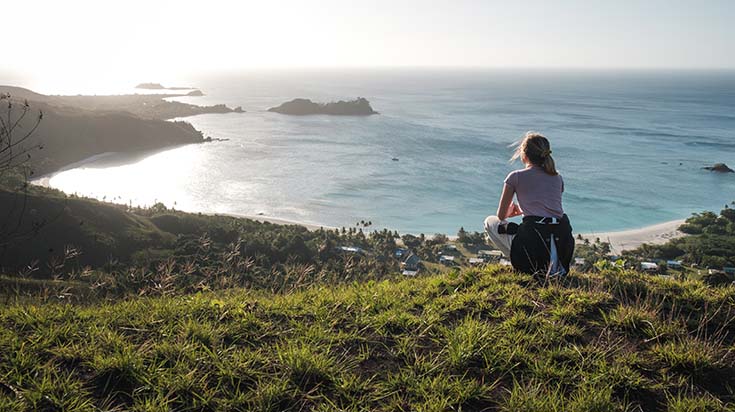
column 161, row 177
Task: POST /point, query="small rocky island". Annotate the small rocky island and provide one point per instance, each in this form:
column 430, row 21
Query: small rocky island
column 150, row 86
column 719, row 167
column 159, row 86
column 303, row 107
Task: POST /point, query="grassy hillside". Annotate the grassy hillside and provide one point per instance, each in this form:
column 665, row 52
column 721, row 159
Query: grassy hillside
column 98, row 230
column 484, row 339
column 110, row 250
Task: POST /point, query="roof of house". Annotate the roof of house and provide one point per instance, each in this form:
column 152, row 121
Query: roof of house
column 490, row 252
column 411, row 260
column 353, row 249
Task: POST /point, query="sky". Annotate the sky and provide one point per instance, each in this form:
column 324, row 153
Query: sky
column 113, row 39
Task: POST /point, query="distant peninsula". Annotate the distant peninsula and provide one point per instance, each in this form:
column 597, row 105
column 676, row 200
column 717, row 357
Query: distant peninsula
column 147, row 106
column 303, row 107
column 76, row 127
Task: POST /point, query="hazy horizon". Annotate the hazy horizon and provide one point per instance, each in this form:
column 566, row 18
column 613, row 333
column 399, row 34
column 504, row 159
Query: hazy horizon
column 97, row 42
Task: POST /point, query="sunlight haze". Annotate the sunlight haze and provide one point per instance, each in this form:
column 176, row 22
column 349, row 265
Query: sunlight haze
column 151, row 38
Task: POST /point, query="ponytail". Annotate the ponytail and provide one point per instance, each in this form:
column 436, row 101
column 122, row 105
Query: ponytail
column 549, row 165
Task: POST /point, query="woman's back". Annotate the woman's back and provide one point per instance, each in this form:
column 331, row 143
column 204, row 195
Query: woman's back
column 538, row 193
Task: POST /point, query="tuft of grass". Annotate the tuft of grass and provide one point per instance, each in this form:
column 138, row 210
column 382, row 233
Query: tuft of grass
column 690, row 355
column 532, row 397
column 695, row 403
column 309, row 367
column 466, row 342
column 590, row 398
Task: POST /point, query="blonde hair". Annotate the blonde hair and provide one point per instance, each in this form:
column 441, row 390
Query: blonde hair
column 537, row 150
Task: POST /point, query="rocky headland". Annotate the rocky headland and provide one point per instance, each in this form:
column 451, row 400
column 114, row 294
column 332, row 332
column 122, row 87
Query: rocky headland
column 159, row 86
column 74, row 128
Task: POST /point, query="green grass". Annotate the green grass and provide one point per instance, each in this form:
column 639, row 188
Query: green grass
column 468, row 340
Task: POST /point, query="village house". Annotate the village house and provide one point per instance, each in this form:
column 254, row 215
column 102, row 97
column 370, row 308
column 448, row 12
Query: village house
column 410, row 265
column 649, row 267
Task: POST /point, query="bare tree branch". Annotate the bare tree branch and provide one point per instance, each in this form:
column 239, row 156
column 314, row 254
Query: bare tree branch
column 14, row 155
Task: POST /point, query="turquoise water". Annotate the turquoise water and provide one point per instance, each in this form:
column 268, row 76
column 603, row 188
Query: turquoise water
column 630, row 146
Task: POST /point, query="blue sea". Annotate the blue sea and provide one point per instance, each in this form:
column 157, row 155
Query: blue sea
column 630, row 145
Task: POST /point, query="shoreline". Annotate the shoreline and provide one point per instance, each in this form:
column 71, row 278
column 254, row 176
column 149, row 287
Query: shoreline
column 619, row 240
column 276, row 221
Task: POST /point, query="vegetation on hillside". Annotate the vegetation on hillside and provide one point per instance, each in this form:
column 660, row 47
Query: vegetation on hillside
column 76, row 247
column 472, row 340
column 146, row 106
column 710, row 242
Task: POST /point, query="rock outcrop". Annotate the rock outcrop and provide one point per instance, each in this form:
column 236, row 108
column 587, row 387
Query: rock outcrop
column 150, row 86
column 719, row 167
column 302, row 107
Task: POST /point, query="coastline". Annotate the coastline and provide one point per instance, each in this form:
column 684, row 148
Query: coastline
column 621, row 240
column 276, row 221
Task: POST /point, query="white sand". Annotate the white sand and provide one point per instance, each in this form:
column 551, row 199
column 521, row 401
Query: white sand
column 631, row 239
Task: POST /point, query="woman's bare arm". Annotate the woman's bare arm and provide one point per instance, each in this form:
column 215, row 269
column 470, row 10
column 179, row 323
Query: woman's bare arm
column 505, row 206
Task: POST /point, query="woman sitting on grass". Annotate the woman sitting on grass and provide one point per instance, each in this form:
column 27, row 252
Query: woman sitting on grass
column 543, row 244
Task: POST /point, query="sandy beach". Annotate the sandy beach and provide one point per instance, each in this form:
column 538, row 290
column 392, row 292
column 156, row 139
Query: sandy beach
column 630, row 239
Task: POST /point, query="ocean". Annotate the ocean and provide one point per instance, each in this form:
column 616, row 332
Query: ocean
column 630, row 146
